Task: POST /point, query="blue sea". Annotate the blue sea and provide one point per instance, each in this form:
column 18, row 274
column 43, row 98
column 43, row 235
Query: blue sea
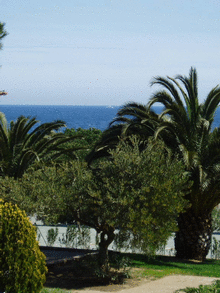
column 74, row 116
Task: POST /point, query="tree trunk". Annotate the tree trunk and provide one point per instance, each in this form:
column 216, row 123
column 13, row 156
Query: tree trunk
column 193, row 240
column 106, row 240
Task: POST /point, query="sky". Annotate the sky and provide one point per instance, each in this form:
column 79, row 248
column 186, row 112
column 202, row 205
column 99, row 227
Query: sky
column 105, row 52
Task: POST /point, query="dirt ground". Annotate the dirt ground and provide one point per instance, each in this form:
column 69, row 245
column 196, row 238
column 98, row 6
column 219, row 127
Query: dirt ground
column 76, row 277
column 168, row 284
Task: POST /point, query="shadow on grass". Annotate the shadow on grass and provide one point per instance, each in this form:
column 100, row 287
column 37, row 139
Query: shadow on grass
column 79, row 274
column 82, row 273
column 171, row 264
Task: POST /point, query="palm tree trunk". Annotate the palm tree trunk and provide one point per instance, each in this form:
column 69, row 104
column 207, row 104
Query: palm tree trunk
column 193, row 240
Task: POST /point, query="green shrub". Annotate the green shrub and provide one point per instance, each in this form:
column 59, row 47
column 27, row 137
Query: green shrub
column 52, row 236
column 84, row 237
column 216, row 248
column 22, row 264
column 69, row 239
column 214, row 288
column 75, row 237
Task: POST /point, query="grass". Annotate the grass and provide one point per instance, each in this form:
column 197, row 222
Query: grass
column 161, row 266
column 158, row 267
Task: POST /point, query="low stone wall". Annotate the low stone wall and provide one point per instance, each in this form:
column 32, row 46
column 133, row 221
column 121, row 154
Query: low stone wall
column 59, row 255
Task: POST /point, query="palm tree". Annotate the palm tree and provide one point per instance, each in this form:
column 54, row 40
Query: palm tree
column 185, row 125
column 198, row 146
column 3, row 33
column 21, row 145
column 133, row 118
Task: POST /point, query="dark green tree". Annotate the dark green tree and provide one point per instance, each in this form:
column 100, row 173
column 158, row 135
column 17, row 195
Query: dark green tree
column 185, row 125
column 189, row 128
column 135, row 191
column 21, row 144
column 90, row 137
column 132, row 119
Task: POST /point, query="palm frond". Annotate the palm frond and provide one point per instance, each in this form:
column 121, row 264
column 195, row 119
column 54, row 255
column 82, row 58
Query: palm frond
column 166, row 83
column 209, row 107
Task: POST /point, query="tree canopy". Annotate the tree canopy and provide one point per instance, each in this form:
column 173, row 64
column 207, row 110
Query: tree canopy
column 185, row 126
column 134, row 191
column 90, row 137
column 23, row 142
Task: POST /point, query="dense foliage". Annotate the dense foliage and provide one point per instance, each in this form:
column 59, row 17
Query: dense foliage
column 24, row 142
column 22, row 264
column 90, row 137
column 185, row 126
column 134, row 191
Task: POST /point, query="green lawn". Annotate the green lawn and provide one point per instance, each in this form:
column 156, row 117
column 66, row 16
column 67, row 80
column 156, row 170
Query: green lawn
column 161, row 266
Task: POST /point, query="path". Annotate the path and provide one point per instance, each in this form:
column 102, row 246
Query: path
column 168, row 284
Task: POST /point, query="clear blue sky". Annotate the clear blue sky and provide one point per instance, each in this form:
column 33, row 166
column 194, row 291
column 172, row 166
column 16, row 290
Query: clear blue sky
column 104, row 52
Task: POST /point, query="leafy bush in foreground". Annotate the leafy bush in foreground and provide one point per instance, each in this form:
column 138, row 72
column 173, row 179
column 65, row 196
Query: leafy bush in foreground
column 22, row 264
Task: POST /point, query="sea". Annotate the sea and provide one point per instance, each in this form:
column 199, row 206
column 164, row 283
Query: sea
column 74, row 116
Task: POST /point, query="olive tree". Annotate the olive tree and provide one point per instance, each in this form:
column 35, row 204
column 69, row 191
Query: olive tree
column 135, row 191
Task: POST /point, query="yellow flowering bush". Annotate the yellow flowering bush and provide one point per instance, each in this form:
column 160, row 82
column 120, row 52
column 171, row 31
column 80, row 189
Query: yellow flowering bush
column 22, row 264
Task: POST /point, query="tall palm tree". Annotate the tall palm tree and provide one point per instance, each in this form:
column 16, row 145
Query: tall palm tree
column 185, row 125
column 21, row 145
column 198, row 146
column 3, row 34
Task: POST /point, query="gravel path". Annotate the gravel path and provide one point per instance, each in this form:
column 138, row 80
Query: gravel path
column 167, row 284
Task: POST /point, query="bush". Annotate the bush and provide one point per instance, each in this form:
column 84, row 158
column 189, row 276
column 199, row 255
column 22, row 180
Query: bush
column 215, row 248
column 214, row 288
column 75, row 237
column 52, row 236
column 22, row 264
